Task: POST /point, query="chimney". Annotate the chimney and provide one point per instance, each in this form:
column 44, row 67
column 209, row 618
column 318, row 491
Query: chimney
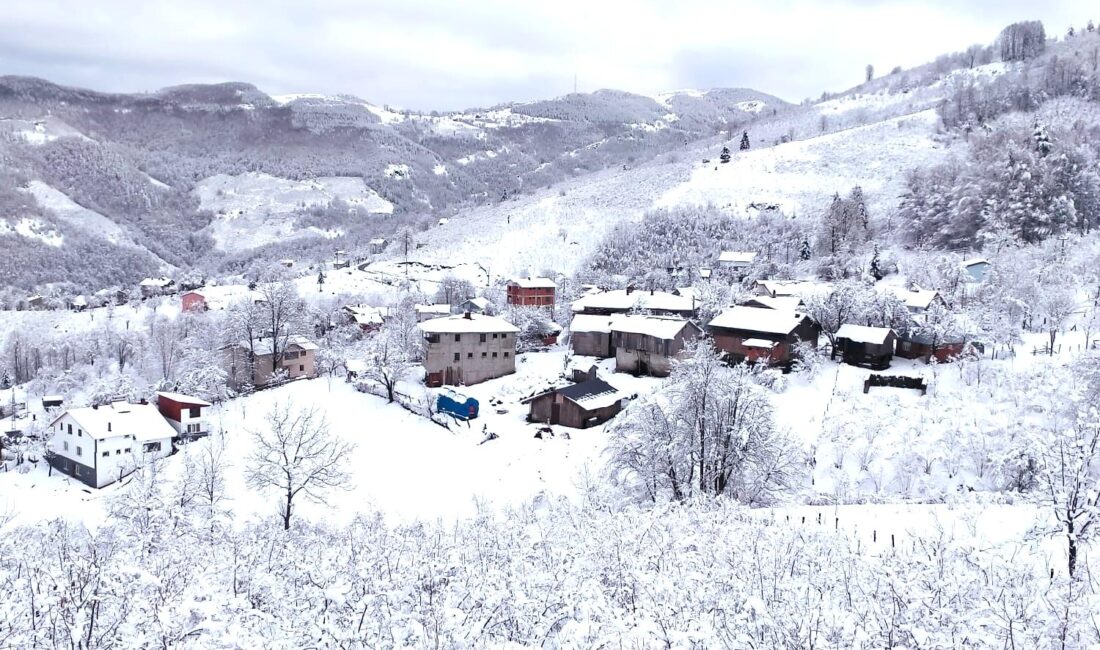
column 468, row 315
column 629, row 289
column 95, row 407
column 108, row 427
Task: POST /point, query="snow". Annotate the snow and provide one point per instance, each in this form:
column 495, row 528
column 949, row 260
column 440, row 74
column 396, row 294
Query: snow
column 253, row 209
column 439, row 170
column 737, row 257
column 183, row 399
column 467, row 323
column 623, row 300
column 661, row 327
column 752, row 106
column 758, row 319
column 915, row 298
column 119, row 419
column 396, row 171
column 780, row 303
column 64, row 208
column 33, row 229
column 759, row 343
column 591, row 323
column 864, row 334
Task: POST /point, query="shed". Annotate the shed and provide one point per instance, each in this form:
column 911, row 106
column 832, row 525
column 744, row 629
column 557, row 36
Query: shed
column 646, row 345
column 860, row 345
column 590, row 335
column 918, row 346
column 585, row 404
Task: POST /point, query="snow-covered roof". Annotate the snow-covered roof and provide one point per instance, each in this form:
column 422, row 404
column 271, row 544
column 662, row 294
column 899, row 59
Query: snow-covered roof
column 591, row 323
column 621, row 300
column 864, row 334
column 592, row 394
column 378, row 241
column 782, row 303
column 194, row 293
column 661, row 327
column 480, row 303
column 737, row 257
column 973, row 261
column 52, row 398
column 758, row 319
column 263, row 346
column 80, row 301
column 433, row 309
column 156, row 282
column 183, row 399
column 535, row 283
column 787, row 287
column 142, row 421
column 687, row 292
column 915, row 298
column 365, row 314
column 759, row 343
column 463, row 323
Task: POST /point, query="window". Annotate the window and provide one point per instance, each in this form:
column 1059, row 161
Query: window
column 65, row 445
column 482, row 338
column 195, row 411
column 484, row 354
column 127, row 450
column 301, row 368
column 194, row 427
column 505, row 355
column 151, row 447
column 458, row 338
column 118, row 452
column 79, row 451
column 457, row 356
column 79, row 433
column 433, row 338
column 290, row 355
column 105, row 454
column 494, row 335
column 494, row 355
column 469, row 355
column 70, row 429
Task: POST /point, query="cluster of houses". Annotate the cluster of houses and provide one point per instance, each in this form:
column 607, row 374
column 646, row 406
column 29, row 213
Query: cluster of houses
column 98, row 445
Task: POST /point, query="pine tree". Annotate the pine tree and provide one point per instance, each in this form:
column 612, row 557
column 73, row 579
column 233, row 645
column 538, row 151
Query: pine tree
column 744, row 141
column 804, row 252
column 1042, row 140
column 321, row 280
column 725, row 157
column 876, row 266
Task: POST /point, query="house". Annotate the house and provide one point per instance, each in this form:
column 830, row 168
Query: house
column 590, row 335
column 776, row 288
column 761, row 334
column 585, row 404
column 976, row 268
column 736, row 261
column 52, row 401
column 340, row 260
column 468, row 349
column 367, row 318
column 80, row 303
column 860, row 345
column 256, row 366
column 919, row 346
column 193, row 302
column 98, row 445
column 156, row 287
column 185, row 414
column 646, row 345
column 532, row 292
column 377, row 245
column 36, row 302
column 917, row 300
column 289, row 264
column 475, row 305
column 780, row 303
column 621, row 301
column 428, row 312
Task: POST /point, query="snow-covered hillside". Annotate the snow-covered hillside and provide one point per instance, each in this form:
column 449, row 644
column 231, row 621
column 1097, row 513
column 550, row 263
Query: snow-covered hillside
column 253, row 209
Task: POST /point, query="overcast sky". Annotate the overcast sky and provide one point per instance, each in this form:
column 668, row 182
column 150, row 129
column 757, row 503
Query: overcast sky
column 453, row 54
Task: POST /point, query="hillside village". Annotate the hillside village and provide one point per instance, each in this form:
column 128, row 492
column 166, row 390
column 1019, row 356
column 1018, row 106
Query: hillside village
column 826, row 379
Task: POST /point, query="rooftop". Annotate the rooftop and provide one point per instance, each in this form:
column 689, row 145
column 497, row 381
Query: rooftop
column 591, row 323
column 661, row 327
column 464, row 323
column 535, row 283
column 864, row 334
column 142, row 421
column 183, row 399
column 737, row 257
column 622, row 300
column 758, row 319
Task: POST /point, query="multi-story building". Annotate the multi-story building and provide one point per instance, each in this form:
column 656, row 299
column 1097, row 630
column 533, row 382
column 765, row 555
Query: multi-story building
column 468, row 349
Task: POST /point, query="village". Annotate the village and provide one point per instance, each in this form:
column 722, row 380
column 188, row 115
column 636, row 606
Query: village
column 508, row 369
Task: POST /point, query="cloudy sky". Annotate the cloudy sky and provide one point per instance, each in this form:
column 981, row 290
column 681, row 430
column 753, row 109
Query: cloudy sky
column 453, row 54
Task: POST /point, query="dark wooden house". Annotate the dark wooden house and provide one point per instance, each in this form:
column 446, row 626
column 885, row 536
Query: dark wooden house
column 860, row 345
column 918, row 346
column 590, row 336
column 647, row 345
column 585, row 404
column 762, row 335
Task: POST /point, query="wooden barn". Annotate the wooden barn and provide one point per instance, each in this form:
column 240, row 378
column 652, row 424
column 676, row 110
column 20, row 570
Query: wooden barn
column 860, row 345
column 918, row 346
column 761, row 334
column 579, row 406
column 590, row 336
column 646, row 345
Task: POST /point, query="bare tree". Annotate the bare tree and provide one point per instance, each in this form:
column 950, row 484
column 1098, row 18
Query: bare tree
column 1056, row 303
column 389, row 359
column 1070, row 479
column 281, row 308
column 296, row 455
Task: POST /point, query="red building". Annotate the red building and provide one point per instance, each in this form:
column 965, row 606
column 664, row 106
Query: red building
column 532, row 292
column 193, row 301
column 186, row 414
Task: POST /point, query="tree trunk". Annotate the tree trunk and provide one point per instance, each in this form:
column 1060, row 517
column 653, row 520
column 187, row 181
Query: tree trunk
column 286, row 510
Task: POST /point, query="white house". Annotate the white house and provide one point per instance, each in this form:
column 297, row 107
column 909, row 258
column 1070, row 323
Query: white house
column 428, row 312
column 737, row 260
column 98, row 445
column 156, row 286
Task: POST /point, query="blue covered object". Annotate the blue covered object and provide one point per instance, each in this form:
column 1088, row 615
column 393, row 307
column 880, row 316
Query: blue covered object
column 460, row 406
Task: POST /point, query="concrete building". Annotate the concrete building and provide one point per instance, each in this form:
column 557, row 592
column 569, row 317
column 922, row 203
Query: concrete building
column 99, row 445
column 646, row 345
column 468, row 349
column 256, row 366
column 532, row 292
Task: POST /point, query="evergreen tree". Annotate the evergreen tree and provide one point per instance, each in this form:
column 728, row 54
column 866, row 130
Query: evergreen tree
column 1042, row 140
column 321, row 280
column 804, row 252
column 876, row 266
column 744, row 141
column 725, row 157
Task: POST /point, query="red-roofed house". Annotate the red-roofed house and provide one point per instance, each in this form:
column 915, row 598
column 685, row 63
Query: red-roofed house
column 186, row 414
